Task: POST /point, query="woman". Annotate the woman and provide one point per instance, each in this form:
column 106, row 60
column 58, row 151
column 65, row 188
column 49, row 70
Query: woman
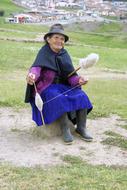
column 60, row 91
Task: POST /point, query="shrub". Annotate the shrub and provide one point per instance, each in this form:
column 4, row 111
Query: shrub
column 1, row 12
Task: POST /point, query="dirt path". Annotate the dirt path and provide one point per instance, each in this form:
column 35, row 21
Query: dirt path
column 107, row 74
column 20, row 146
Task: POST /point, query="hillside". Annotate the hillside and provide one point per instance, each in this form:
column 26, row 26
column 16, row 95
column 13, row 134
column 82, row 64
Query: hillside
column 9, row 7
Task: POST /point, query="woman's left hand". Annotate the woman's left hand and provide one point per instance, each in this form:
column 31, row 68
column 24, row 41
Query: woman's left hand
column 83, row 81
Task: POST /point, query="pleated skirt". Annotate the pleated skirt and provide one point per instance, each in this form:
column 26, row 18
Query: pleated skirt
column 58, row 99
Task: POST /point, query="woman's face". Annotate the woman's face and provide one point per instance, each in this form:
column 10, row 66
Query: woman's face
column 56, row 42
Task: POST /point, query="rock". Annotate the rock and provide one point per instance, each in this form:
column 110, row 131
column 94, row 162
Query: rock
column 51, row 130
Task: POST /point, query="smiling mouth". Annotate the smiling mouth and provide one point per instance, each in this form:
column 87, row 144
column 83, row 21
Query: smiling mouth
column 58, row 45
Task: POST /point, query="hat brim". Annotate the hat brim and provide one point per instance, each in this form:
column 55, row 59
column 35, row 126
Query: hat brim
column 50, row 33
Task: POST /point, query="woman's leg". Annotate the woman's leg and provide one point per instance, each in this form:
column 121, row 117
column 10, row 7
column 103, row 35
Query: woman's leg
column 81, row 117
column 64, row 125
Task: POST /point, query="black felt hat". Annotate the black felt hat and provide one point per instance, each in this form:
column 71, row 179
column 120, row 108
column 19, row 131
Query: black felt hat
column 56, row 29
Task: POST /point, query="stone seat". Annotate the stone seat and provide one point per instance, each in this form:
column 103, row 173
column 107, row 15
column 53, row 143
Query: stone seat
column 51, row 130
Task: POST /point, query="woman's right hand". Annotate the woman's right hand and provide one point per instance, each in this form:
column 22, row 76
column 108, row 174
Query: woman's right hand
column 30, row 78
column 82, row 80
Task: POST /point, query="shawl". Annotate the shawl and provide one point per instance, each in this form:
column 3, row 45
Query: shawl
column 59, row 62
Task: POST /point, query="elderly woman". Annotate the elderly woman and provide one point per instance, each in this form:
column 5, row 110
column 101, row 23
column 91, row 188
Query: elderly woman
column 61, row 92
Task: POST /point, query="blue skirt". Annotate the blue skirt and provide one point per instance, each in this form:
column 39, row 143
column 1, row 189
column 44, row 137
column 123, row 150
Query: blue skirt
column 58, row 99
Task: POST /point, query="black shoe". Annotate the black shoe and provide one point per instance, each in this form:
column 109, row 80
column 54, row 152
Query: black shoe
column 84, row 135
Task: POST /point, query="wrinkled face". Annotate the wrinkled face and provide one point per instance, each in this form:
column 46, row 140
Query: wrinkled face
column 56, row 42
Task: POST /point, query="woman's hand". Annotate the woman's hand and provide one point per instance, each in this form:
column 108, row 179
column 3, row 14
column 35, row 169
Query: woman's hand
column 83, row 81
column 30, row 78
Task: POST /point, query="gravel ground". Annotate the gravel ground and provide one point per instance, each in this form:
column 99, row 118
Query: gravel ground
column 21, row 146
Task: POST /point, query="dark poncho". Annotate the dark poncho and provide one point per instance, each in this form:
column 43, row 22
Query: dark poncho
column 58, row 62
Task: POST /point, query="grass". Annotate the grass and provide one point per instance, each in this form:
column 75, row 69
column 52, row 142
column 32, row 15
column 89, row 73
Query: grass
column 14, row 34
column 106, row 40
column 101, row 39
column 110, row 27
column 18, row 53
column 23, row 27
column 111, row 58
column 108, row 96
column 14, row 94
column 115, row 139
column 109, row 41
column 76, row 174
column 109, row 35
column 9, row 7
column 15, row 55
column 124, row 126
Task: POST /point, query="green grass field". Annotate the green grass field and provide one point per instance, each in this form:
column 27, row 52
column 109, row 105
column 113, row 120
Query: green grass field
column 108, row 97
column 112, row 58
column 76, row 174
column 15, row 61
column 20, row 35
